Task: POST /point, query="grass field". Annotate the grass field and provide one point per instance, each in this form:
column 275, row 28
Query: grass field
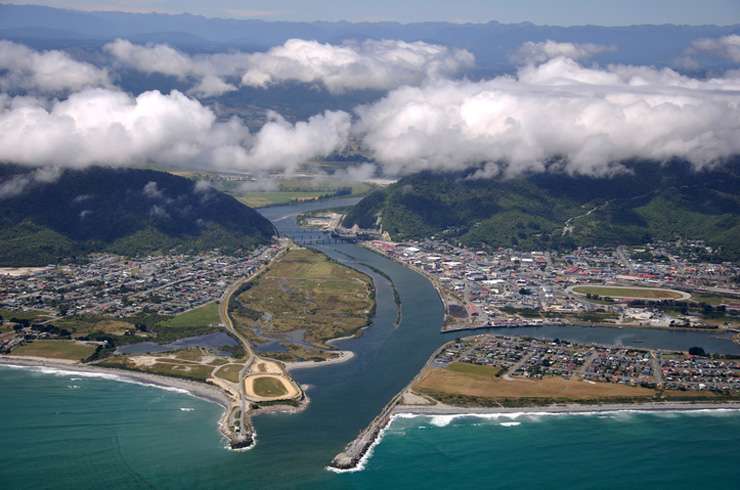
column 714, row 300
column 627, row 292
column 23, row 315
column 230, row 372
column 163, row 366
column 203, row 316
column 85, row 325
column 454, row 382
column 268, row 386
column 56, row 349
column 304, row 290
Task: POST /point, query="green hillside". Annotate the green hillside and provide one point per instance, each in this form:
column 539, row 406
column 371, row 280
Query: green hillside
column 558, row 211
column 124, row 211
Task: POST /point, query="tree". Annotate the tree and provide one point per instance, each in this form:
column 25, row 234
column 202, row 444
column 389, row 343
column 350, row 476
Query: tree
column 697, row 351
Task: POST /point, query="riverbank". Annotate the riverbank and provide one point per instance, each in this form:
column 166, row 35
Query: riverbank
column 344, row 356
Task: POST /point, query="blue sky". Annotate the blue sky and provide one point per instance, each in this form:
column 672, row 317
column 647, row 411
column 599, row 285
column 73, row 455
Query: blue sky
column 555, row 12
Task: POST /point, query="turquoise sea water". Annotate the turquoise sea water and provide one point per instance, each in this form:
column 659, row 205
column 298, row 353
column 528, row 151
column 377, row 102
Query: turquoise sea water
column 64, row 431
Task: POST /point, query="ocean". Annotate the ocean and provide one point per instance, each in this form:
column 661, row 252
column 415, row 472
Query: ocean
column 62, row 430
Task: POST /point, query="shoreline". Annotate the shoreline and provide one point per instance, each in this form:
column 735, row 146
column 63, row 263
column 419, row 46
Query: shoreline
column 344, row 356
column 193, row 388
column 357, row 453
column 564, row 409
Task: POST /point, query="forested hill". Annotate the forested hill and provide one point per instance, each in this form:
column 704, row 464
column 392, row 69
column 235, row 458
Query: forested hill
column 46, row 217
column 556, row 211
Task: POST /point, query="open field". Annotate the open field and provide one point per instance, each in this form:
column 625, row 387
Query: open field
column 452, row 382
column 305, row 292
column 229, row 372
column 629, row 292
column 88, row 324
column 166, row 366
column 268, row 386
column 203, row 316
column 713, row 299
column 56, row 349
column 23, row 314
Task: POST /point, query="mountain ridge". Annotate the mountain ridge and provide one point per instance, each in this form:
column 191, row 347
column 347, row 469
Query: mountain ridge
column 127, row 211
column 557, row 211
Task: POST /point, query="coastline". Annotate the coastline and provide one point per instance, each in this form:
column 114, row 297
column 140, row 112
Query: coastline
column 357, row 453
column 564, row 409
column 193, row 388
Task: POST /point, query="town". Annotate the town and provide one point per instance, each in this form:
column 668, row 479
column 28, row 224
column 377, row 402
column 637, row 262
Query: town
column 120, row 287
column 520, row 357
column 663, row 285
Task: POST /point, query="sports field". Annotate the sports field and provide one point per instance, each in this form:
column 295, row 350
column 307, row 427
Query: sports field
column 268, row 386
column 624, row 292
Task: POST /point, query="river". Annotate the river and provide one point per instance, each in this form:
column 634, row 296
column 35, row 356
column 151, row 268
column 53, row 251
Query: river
column 292, row 450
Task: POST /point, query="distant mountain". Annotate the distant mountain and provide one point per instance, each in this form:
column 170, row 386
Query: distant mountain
column 47, row 218
column 491, row 42
column 556, row 211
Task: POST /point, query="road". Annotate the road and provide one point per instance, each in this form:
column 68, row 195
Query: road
column 223, row 313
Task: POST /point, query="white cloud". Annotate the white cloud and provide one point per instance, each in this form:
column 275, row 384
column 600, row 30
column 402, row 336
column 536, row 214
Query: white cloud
column 108, row 127
column 208, row 71
column 45, row 71
column 18, row 184
column 378, row 65
column 152, row 191
column 727, row 47
column 532, row 52
column 591, row 118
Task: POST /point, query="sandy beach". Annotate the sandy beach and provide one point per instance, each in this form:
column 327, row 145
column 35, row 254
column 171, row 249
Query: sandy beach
column 344, row 356
column 194, row 388
column 571, row 408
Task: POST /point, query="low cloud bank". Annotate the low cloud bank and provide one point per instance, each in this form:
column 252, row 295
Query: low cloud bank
column 532, row 52
column 109, row 127
column 727, row 47
column 555, row 113
column 377, row 65
column 586, row 119
column 52, row 71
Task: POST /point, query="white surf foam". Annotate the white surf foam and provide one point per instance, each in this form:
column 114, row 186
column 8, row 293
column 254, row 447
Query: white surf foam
column 513, row 419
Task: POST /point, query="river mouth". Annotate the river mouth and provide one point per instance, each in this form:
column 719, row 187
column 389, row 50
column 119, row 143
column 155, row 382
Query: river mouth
column 396, row 345
column 128, row 433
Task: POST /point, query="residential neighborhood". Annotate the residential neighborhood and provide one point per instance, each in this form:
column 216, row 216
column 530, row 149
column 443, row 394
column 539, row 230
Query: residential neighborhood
column 522, row 357
column 509, row 288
